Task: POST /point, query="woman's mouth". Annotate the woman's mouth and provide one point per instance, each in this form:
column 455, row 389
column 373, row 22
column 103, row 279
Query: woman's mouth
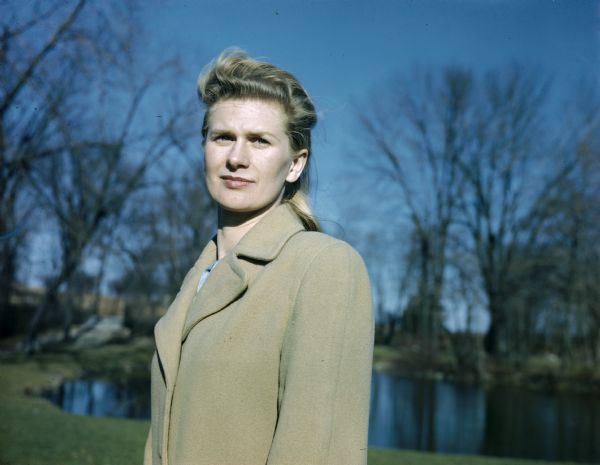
column 235, row 182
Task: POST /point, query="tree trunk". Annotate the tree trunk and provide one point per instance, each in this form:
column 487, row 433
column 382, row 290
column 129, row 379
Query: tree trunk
column 7, row 280
column 389, row 330
column 67, row 318
column 50, row 298
column 597, row 351
column 492, row 341
column 424, row 294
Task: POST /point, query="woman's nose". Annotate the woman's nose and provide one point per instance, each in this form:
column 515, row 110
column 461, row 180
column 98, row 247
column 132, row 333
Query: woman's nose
column 237, row 156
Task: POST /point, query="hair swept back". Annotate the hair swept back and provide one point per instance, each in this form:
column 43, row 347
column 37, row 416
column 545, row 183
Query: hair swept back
column 234, row 75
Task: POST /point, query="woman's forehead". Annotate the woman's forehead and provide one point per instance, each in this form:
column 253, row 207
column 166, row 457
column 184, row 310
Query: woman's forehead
column 247, row 115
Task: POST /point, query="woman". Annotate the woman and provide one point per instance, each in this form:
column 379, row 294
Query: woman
column 264, row 357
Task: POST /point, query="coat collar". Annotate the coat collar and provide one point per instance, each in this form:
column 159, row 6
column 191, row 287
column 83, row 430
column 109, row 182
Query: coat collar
column 266, row 239
column 228, row 281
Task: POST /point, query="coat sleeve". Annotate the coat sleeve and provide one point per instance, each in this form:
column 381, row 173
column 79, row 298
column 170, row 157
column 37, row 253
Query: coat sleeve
column 325, row 369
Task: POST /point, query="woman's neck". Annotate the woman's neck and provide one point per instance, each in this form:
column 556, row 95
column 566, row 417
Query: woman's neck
column 234, row 225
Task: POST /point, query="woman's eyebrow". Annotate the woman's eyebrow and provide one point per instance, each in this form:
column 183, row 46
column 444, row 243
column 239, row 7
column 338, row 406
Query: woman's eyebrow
column 252, row 133
column 261, row 133
column 218, row 131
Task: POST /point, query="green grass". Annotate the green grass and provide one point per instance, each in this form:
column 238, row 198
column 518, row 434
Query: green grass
column 32, row 431
column 35, row 432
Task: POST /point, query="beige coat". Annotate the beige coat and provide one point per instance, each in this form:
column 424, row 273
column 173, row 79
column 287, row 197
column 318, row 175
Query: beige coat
column 270, row 362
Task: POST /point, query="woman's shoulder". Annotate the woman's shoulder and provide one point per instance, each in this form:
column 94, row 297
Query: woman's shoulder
column 313, row 247
column 323, row 265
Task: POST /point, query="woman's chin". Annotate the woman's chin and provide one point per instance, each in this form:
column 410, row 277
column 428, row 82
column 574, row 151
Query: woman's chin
column 247, row 210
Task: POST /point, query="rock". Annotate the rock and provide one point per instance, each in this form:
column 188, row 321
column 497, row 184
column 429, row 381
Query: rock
column 77, row 331
column 544, row 363
column 103, row 330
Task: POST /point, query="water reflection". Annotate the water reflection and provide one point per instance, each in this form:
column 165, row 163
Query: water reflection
column 544, row 426
column 420, row 415
column 424, row 415
column 104, row 398
column 446, row 417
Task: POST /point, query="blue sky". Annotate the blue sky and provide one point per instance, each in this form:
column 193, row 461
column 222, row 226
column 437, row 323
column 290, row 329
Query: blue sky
column 341, row 48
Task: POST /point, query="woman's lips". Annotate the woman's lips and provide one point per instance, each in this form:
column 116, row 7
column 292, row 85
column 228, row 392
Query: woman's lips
column 235, row 182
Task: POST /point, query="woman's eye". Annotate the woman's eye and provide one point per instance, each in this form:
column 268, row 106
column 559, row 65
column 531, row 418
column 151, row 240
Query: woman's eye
column 222, row 138
column 260, row 141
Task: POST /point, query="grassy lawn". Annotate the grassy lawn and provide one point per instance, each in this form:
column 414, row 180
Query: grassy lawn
column 34, row 432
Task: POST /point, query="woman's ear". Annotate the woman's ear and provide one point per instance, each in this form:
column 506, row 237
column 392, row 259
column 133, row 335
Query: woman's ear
column 297, row 166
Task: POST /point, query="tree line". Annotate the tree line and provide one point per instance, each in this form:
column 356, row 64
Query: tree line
column 88, row 129
column 490, row 186
column 488, row 183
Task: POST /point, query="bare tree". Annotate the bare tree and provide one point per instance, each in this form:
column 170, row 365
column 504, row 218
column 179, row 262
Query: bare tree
column 77, row 135
column 572, row 232
column 85, row 190
column 24, row 125
column 169, row 232
column 391, row 281
column 487, row 182
column 417, row 135
column 502, row 191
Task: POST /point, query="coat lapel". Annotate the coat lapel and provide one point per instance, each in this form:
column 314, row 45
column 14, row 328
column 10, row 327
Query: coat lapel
column 231, row 277
column 168, row 329
column 226, row 282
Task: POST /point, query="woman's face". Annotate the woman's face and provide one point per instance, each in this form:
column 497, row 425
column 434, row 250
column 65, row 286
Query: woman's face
column 247, row 155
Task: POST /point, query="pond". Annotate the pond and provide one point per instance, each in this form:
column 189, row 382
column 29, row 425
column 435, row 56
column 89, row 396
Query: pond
column 414, row 414
column 451, row 418
column 102, row 398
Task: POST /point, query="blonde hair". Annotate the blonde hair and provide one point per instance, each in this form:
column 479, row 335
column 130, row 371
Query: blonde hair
column 234, row 75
